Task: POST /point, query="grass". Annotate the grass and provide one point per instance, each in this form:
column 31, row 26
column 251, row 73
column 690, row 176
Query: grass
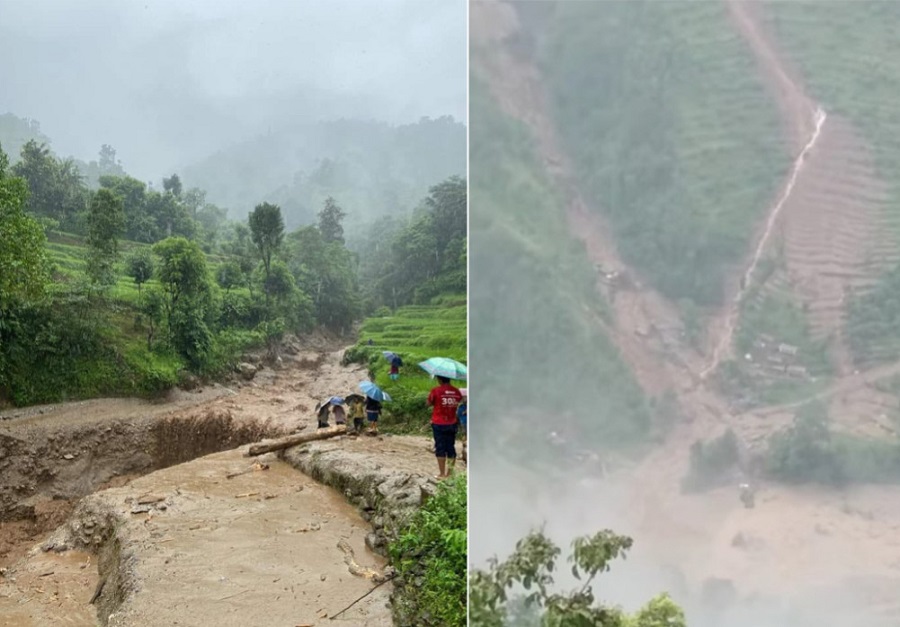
column 862, row 85
column 433, row 547
column 416, row 333
column 675, row 139
column 537, row 346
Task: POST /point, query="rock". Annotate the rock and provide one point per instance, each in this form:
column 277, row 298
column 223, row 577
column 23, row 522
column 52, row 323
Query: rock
column 247, row 370
column 68, row 456
column 374, row 542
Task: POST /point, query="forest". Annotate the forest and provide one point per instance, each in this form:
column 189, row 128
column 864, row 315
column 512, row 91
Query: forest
column 125, row 288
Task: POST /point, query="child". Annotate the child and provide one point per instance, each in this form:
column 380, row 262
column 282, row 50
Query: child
column 358, row 414
column 373, row 409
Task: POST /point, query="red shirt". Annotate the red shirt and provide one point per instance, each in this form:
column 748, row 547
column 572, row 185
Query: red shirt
column 445, row 399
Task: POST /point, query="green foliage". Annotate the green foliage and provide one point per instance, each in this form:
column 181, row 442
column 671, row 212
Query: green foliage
column 182, row 270
column 873, row 322
column 140, row 266
column 534, row 305
column 55, row 187
column 432, row 548
column 68, row 349
column 415, row 333
column 807, row 452
column 266, row 231
column 711, row 461
column 530, row 569
column 331, row 222
column 409, row 263
column 23, row 257
column 152, row 309
column 229, row 275
column 324, row 271
column 672, row 132
column 106, row 221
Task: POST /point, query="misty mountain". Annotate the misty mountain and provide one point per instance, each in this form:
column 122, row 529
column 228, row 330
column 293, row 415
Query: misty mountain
column 371, row 168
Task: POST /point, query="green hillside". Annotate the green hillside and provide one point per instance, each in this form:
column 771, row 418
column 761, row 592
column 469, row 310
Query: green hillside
column 675, row 140
column 539, row 350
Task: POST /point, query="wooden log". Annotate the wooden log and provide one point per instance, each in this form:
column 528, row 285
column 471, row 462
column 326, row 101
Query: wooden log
column 294, row 440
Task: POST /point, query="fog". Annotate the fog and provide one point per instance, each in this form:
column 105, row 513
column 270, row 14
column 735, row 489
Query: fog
column 509, row 501
column 167, row 83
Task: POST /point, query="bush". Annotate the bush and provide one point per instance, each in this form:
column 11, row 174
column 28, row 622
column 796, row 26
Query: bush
column 433, row 548
column 711, row 461
column 805, row 452
column 808, row 452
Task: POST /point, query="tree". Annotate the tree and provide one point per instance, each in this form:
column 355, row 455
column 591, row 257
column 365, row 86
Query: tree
column 182, row 270
column 530, row 567
column 172, row 185
column 330, row 221
column 446, row 203
column 185, row 281
column 106, row 222
column 107, row 162
column 140, row 267
column 325, row 272
column 152, row 308
column 56, row 188
column 24, row 270
column 267, row 233
column 229, row 275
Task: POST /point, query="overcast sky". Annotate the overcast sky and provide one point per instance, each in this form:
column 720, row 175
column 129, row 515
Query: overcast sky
column 168, row 81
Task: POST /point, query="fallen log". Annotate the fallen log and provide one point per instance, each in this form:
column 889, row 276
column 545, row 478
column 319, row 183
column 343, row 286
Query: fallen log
column 294, row 440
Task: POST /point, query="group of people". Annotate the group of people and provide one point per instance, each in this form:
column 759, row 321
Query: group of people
column 449, row 417
column 359, row 409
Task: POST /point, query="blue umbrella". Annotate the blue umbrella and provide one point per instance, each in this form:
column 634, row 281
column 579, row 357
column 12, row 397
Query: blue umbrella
column 374, row 392
column 335, row 400
column 445, row 367
column 389, row 355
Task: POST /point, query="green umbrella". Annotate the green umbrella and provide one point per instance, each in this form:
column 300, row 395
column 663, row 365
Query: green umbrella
column 445, row 367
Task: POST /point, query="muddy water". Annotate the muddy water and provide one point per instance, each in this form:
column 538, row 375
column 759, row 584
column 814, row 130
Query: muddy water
column 260, row 547
column 50, row 589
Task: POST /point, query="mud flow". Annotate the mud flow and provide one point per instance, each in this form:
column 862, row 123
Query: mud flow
column 123, row 512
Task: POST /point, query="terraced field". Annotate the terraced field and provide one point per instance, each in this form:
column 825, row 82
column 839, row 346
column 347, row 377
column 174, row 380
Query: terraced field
column 416, row 333
column 842, row 226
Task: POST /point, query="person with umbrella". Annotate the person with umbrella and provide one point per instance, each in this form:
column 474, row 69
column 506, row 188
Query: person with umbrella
column 396, row 362
column 444, row 401
column 322, row 415
column 374, row 397
column 323, row 411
